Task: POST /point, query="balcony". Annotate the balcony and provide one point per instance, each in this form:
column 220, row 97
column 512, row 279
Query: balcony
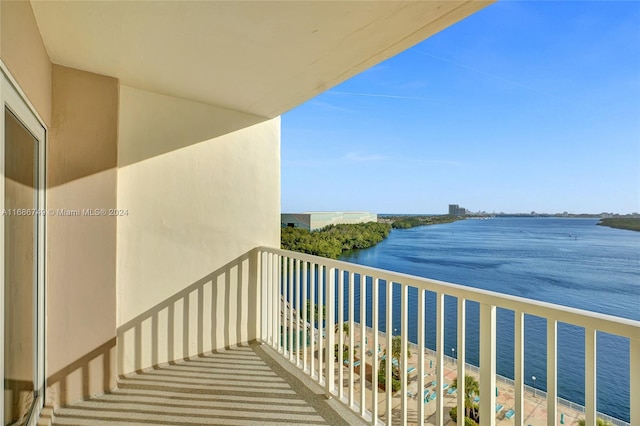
column 243, row 385
column 296, row 318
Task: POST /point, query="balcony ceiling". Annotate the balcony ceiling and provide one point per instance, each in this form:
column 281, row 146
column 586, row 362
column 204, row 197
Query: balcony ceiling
column 260, row 57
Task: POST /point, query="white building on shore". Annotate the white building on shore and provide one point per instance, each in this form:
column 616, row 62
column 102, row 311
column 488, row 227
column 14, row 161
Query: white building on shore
column 318, row 220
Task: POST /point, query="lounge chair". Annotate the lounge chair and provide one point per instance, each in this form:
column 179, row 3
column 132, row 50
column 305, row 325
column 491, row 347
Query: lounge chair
column 451, row 391
column 445, row 386
column 510, row 414
column 411, row 370
column 433, row 396
column 499, row 407
column 476, row 399
column 355, row 364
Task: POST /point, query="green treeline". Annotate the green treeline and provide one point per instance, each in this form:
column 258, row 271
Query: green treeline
column 630, row 223
column 404, row 222
column 332, row 240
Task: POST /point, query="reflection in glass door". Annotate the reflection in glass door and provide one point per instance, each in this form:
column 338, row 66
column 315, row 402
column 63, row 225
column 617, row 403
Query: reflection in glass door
column 20, row 278
column 22, row 203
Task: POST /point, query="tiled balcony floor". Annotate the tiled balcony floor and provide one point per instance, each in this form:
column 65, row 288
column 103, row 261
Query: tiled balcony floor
column 240, row 386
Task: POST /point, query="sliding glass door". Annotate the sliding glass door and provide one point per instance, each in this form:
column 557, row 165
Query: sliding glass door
column 22, row 259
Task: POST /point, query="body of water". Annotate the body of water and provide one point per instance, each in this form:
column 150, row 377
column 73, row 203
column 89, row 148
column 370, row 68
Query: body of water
column 571, row 262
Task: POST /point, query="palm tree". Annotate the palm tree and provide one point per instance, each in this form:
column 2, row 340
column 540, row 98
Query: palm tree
column 313, row 317
column 471, row 389
column 396, row 347
column 396, row 350
column 345, row 347
column 345, row 329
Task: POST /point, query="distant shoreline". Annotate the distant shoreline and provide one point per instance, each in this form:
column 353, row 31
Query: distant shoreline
column 412, row 221
column 628, row 223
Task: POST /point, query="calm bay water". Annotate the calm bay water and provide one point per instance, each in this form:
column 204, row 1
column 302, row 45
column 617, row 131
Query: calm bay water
column 570, row 262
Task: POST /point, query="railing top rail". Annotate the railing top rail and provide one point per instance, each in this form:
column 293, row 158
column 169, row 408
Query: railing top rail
column 602, row 322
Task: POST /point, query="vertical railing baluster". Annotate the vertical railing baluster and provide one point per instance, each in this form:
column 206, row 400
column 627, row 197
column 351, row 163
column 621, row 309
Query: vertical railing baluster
column 269, row 298
column 376, row 344
column 331, row 335
column 261, row 295
column 285, row 305
column 264, row 308
column 634, row 378
column 363, row 343
column 461, row 391
column 487, row 364
column 552, row 371
column 341, row 334
column 590, row 376
column 275, row 279
column 519, row 367
column 389, row 353
column 298, row 316
column 321, row 326
column 305, row 316
column 290, row 299
column 350, row 303
column 421, row 357
column 280, row 314
column 314, row 318
column 404, row 341
column 439, row 357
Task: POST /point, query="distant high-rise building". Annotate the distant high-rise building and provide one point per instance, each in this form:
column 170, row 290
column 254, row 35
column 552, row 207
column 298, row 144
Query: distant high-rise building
column 456, row 210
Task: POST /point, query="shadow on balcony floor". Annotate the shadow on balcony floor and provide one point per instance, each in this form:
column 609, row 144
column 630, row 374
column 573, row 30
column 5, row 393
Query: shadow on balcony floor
column 248, row 385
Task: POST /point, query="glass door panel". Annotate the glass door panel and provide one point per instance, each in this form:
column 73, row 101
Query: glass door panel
column 20, row 269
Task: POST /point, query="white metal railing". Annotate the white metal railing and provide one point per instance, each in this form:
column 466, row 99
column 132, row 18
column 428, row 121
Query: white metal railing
column 300, row 294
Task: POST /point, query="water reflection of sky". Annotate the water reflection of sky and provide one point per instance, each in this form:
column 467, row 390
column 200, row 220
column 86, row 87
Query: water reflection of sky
column 571, row 262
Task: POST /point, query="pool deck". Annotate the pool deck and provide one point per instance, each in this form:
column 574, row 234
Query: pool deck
column 535, row 405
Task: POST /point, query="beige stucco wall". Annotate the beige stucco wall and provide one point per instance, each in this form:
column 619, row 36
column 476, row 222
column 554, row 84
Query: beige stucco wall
column 81, row 250
column 201, row 187
column 23, row 52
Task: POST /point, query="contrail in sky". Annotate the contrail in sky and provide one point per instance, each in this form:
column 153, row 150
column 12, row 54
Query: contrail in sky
column 376, row 95
column 492, row 75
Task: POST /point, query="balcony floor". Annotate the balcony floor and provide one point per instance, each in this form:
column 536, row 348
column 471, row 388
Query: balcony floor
column 247, row 385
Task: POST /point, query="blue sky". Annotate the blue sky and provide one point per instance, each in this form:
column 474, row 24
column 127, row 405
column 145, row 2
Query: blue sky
column 524, row 106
